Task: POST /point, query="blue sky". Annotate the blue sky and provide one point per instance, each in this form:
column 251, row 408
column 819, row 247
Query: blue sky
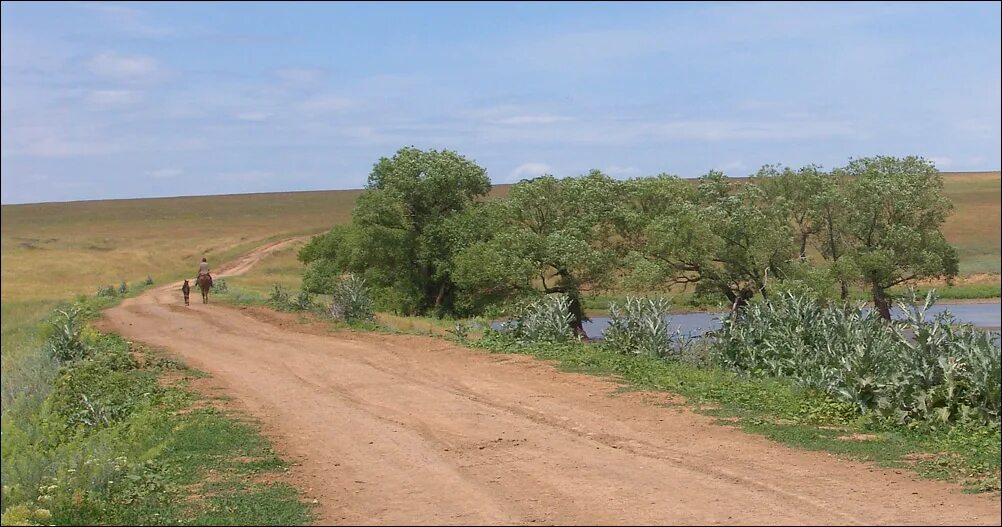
column 116, row 100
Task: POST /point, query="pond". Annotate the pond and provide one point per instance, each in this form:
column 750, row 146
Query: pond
column 982, row 315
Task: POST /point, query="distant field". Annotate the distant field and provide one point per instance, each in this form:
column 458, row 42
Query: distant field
column 56, row 250
column 974, row 225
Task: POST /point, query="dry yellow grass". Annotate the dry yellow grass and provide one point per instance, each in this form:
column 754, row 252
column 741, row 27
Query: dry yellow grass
column 57, row 250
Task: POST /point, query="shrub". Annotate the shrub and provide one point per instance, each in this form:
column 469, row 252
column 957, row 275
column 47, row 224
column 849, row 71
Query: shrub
column 279, row 297
column 123, row 288
column 66, row 343
column 107, row 291
column 918, row 369
column 149, row 280
column 219, row 284
column 352, row 300
column 302, row 302
column 547, row 319
column 640, row 326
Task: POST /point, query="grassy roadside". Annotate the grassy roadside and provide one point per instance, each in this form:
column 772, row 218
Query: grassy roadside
column 120, row 437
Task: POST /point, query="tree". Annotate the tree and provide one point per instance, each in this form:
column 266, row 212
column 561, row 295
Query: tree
column 547, row 236
column 830, row 212
column 793, row 191
column 722, row 237
column 398, row 240
column 896, row 208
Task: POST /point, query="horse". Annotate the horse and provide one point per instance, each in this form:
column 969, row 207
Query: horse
column 204, row 283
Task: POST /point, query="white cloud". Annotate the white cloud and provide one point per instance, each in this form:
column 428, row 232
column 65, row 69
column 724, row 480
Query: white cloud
column 113, row 97
column 323, row 104
column 732, row 166
column 129, row 20
column 165, row 173
column 616, row 170
column 528, row 170
column 530, row 119
column 255, row 117
column 126, row 67
column 941, row 162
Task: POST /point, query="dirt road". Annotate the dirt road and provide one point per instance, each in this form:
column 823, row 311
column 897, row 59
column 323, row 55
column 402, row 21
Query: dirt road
column 403, row 429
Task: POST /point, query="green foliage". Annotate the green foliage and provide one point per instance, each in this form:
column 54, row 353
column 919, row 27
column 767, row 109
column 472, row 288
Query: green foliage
column 398, row 240
column 97, row 392
column 66, row 342
column 100, row 442
column 279, row 296
column 916, row 370
column 549, row 235
column 123, row 288
column 546, row 319
column 727, row 239
column 108, row 291
column 351, row 300
column 642, row 326
column 220, row 285
column 892, row 227
column 148, row 281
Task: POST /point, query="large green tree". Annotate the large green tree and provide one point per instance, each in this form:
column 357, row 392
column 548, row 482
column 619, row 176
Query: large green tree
column 723, row 237
column 895, row 209
column 398, row 237
column 548, row 235
column 793, row 191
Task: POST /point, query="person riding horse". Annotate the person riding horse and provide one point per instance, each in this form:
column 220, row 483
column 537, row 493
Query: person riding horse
column 203, row 269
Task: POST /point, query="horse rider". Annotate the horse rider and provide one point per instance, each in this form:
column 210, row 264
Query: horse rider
column 203, row 269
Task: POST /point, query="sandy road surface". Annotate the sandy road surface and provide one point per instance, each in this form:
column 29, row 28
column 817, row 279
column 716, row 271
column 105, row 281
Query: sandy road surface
column 403, row 429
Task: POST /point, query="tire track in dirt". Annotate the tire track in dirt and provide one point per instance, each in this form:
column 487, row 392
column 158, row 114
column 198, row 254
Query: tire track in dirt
column 404, row 429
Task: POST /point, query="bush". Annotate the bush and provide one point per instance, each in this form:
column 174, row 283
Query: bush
column 352, row 300
column 66, row 343
column 149, row 280
column 98, row 392
column 107, row 291
column 547, row 319
column 219, row 284
column 302, row 302
column 640, row 326
column 123, row 288
column 279, row 297
column 914, row 370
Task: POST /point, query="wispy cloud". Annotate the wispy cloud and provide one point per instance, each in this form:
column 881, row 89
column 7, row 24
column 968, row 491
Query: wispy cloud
column 129, row 20
column 124, row 67
column 528, row 170
column 531, row 119
column 620, row 171
column 113, row 97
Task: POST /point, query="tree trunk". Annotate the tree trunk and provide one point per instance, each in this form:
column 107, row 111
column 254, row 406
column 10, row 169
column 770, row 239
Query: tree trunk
column 845, row 289
column 803, row 246
column 880, row 301
column 739, row 299
column 577, row 314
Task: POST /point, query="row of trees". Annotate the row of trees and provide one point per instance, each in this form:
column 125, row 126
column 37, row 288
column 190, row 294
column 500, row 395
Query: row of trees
column 427, row 238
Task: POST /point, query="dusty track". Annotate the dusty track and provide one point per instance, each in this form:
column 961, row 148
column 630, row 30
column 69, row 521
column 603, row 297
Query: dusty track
column 401, row 429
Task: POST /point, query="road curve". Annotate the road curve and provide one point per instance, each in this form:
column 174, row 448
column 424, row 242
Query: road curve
column 390, row 429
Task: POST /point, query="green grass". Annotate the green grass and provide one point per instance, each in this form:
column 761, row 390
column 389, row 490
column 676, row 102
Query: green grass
column 150, row 465
column 787, row 414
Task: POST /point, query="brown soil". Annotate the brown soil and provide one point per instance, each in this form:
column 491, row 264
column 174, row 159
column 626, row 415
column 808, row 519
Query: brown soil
column 396, row 429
